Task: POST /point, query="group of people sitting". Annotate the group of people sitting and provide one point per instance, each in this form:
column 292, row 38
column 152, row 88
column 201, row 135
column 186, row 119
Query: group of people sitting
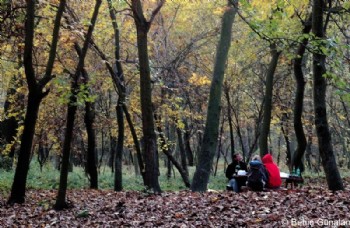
column 262, row 173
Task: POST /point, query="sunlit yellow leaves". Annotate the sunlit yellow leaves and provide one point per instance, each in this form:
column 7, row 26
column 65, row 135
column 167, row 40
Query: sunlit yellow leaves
column 199, row 80
column 21, row 89
column 15, row 140
column 219, row 10
column 262, row 7
column 180, row 124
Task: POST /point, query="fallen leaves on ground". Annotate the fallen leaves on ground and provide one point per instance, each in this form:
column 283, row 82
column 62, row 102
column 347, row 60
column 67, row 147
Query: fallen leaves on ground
column 102, row 208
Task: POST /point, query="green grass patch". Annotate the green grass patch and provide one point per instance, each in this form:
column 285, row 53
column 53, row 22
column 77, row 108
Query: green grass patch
column 48, row 178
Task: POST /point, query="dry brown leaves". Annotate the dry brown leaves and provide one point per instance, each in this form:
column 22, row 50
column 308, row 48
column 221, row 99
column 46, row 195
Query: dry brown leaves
column 93, row 208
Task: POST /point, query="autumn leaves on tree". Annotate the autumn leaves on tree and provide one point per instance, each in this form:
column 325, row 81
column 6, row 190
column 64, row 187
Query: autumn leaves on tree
column 161, row 66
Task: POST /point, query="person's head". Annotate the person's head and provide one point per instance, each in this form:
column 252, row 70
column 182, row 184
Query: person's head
column 256, row 158
column 237, row 157
column 267, row 159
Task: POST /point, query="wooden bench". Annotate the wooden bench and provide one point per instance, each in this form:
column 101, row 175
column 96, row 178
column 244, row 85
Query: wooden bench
column 294, row 181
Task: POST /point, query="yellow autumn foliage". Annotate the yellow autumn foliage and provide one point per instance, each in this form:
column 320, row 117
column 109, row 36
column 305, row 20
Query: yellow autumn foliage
column 199, row 80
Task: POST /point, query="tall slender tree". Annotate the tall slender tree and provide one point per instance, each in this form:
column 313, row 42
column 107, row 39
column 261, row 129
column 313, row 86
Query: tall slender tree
column 329, row 164
column 36, row 93
column 118, row 80
column 148, row 127
column 72, row 107
column 210, row 137
column 89, row 120
column 299, row 97
column 265, row 126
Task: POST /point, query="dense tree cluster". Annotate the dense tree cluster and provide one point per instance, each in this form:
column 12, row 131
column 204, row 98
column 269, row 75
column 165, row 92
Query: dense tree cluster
column 177, row 81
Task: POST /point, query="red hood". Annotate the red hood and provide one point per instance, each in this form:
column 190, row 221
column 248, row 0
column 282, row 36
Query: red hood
column 267, row 159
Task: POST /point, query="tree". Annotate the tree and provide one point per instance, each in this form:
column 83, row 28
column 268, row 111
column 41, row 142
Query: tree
column 148, row 126
column 13, row 114
column 265, row 126
column 319, row 95
column 210, row 137
column 299, row 97
column 118, row 80
column 89, row 120
column 35, row 96
column 72, row 107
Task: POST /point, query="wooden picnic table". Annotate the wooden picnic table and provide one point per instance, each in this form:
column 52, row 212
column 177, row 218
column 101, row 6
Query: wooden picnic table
column 293, row 180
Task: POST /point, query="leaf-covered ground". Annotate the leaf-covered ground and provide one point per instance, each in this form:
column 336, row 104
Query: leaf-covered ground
column 94, row 208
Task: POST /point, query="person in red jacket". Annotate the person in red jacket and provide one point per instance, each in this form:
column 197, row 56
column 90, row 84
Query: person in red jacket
column 274, row 180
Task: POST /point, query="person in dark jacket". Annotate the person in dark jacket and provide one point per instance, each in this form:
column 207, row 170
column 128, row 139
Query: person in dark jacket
column 237, row 164
column 273, row 171
column 257, row 176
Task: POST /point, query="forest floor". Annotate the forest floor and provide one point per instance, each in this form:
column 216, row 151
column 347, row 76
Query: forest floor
column 310, row 205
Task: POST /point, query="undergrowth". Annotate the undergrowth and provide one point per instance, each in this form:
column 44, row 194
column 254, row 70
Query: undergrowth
column 48, row 178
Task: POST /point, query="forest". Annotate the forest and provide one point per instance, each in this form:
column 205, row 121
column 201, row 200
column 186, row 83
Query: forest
column 140, row 92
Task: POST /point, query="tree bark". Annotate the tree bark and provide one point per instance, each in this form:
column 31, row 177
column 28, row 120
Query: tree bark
column 118, row 178
column 35, row 97
column 136, row 141
column 72, row 107
column 230, row 122
column 210, row 137
column 187, row 138
column 265, row 127
column 20, row 178
column 182, row 150
column 219, row 150
column 148, row 127
column 299, row 99
column 89, row 119
column 308, row 153
column 91, row 166
column 61, row 196
column 285, row 134
column 329, row 164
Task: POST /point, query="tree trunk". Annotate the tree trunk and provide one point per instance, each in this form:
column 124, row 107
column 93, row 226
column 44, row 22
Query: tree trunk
column 239, row 134
column 265, row 127
column 171, row 134
column 299, row 99
column 219, row 151
column 35, row 97
column 112, row 150
column 182, row 150
column 167, row 151
column 319, row 93
column 136, row 141
column 230, row 123
column 308, row 152
column 89, row 119
column 187, row 139
column 20, row 178
column 61, row 196
column 208, row 147
column 148, row 127
column 118, row 177
column 91, row 166
column 149, row 135
column 285, row 134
